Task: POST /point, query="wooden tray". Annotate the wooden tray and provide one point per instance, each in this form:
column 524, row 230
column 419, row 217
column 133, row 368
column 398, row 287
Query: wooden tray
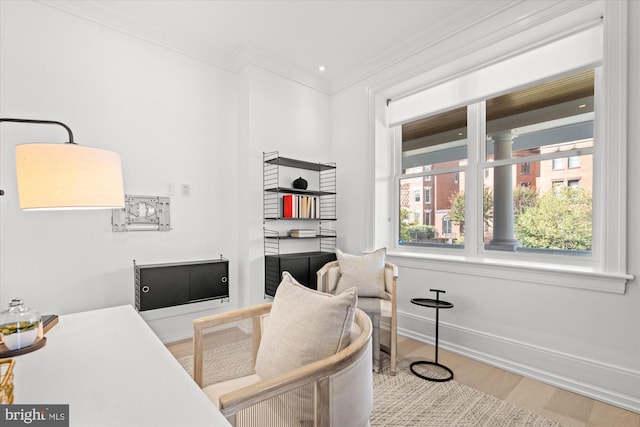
column 5, row 352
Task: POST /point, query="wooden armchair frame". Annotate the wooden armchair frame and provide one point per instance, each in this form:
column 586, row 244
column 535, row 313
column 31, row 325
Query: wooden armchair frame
column 317, row 373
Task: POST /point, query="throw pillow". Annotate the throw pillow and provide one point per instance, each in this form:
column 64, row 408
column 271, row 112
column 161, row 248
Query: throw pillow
column 365, row 272
column 304, row 326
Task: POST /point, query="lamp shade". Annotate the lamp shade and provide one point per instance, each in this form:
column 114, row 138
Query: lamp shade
column 68, row 176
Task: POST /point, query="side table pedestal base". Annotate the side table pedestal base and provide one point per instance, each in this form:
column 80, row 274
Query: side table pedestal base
column 436, row 379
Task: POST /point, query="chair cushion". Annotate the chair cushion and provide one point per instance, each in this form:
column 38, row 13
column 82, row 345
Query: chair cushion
column 386, row 308
column 365, row 272
column 272, row 412
column 304, row 326
column 215, row 391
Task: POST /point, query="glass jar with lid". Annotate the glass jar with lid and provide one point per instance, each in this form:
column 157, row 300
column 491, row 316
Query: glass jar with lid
column 19, row 325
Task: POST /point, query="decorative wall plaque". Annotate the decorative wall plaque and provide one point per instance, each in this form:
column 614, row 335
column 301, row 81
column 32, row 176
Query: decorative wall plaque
column 142, row 213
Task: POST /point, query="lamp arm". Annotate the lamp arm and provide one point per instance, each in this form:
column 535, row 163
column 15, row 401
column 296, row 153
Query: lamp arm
column 48, row 122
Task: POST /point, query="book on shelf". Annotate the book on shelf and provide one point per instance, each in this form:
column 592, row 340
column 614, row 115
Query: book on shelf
column 304, row 232
column 298, row 206
column 287, row 206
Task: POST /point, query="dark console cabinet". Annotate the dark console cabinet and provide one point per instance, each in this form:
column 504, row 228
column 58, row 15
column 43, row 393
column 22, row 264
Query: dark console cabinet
column 166, row 285
column 302, row 266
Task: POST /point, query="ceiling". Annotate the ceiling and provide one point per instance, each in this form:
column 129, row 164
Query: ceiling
column 344, row 36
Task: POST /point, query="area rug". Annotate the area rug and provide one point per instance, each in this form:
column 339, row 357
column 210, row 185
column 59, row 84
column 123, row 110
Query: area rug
column 400, row 400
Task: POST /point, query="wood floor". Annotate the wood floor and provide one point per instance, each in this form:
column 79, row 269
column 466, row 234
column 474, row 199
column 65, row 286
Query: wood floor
column 569, row 409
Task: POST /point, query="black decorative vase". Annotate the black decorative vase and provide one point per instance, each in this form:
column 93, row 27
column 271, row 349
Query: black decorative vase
column 300, row 184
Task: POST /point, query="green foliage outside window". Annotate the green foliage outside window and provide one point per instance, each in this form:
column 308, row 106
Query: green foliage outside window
column 456, row 213
column 420, row 232
column 560, row 219
column 523, row 199
column 412, row 231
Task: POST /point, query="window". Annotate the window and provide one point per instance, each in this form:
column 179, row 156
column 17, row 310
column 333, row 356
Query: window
column 556, row 187
column 416, row 196
column 536, row 127
column 568, row 137
column 521, row 126
column 558, row 164
column 446, row 225
column 574, row 162
column 431, row 152
column 573, row 183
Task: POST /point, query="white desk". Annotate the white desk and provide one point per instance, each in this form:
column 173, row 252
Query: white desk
column 112, row 370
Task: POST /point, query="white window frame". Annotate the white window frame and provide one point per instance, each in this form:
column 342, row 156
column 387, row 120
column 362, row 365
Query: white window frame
column 606, row 270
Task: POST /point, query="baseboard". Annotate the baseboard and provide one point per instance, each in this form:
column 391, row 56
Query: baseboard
column 607, row 383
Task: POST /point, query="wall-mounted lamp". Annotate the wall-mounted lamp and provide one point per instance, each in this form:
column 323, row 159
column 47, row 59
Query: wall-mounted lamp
column 67, row 176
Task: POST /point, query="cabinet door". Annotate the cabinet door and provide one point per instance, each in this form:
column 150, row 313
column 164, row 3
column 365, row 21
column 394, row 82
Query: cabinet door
column 208, row 281
column 298, row 268
column 163, row 287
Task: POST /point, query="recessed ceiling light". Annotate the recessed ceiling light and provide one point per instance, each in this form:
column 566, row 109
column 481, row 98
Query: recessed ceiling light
column 582, row 105
column 321, row 68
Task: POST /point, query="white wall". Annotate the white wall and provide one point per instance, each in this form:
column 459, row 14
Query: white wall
column 171, row 118
column 578, row 339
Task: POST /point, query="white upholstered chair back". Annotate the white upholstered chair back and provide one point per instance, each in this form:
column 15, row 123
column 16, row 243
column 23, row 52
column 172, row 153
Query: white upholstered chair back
column 327, row 281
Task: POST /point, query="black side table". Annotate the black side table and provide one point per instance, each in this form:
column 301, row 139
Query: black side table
column 437, row 304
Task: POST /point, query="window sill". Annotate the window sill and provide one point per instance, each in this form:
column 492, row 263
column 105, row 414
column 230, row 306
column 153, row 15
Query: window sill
column 536, row 273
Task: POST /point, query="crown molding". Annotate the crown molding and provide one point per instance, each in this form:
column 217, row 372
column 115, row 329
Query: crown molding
column 426, row 50
column 420, row 43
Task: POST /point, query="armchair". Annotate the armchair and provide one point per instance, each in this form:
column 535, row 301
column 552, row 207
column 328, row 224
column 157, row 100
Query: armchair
column 339, row 387
column 328, row 277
